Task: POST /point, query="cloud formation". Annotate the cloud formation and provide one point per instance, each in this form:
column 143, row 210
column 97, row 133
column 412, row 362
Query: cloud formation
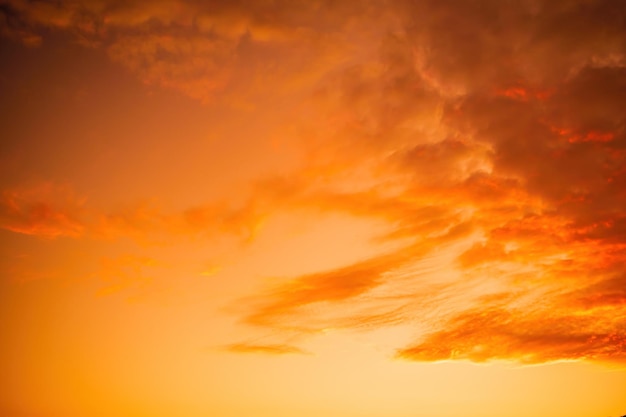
column 490, row 134
column 272, row 349
column 47, row 210
column 205, row 50
column 526, row 150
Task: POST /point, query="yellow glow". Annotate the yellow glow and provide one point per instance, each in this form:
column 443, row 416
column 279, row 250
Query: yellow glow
column 343, row 209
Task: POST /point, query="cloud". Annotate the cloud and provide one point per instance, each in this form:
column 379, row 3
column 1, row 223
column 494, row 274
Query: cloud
column 272, row 349
column 280, row 305
column 524, row 336
column 206, row 51
column 504, row 122
column 490, row 132
column 45, row 210
column 13, row 27
column 52, row 210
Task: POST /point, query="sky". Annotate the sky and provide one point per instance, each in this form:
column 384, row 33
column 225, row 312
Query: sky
column 263, row 208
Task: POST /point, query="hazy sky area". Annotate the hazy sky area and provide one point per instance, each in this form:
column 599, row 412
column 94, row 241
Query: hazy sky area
column 278, row 208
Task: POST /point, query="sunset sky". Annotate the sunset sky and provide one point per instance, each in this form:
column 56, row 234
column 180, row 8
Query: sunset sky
column 279, row 208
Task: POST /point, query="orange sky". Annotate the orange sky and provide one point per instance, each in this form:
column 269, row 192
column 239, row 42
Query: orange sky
column 317, row 208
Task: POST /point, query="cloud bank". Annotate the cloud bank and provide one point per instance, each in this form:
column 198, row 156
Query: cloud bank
column 491, row 133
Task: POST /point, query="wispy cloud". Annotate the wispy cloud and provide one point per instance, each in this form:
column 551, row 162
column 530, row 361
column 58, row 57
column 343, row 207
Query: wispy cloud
column 46, row 210
column 50, row 210
column 271, row 349
column 526, row 155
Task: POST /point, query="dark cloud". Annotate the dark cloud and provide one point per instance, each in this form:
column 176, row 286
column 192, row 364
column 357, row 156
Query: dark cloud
column 205, row 50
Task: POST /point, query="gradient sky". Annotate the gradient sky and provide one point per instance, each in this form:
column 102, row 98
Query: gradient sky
column 377, row 208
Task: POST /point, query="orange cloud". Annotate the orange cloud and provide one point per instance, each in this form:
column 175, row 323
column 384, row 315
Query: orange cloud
column 50, row 210
column 548, row 212
column 204, row 51
column 280, row 306
column 501, row 335
column 493, row 133
column 272, row 349
column 45, row 210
